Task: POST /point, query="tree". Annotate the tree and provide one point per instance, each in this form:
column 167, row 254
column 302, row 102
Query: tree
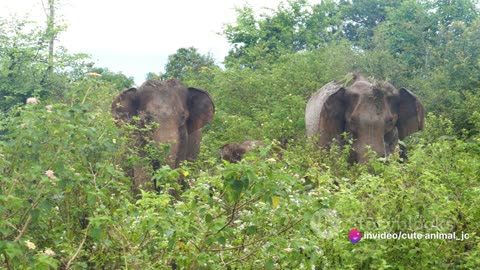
column 449, row 11
column 406, row 35
column 118, row 81
column 293, row 27
column 51, row 34
column 436, row 45
column 361, row 17
column 23, row 63
column 154, row 76
column 186, row 62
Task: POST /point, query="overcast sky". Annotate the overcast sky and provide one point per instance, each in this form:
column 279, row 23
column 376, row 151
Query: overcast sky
column 136, row 36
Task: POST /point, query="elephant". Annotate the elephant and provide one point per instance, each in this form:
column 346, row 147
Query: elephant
column 177, row 113
column 372, row 113
column 233, row 152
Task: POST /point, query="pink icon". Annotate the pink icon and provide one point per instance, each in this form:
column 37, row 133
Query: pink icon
column 354, row 236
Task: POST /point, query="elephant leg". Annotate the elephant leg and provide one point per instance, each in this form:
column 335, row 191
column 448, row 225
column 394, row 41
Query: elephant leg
column 391, row 141
column 193, row 145
column 142, row 179
column 403, row 152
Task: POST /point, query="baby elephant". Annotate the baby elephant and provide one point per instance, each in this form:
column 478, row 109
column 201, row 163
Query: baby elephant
column 233, row 152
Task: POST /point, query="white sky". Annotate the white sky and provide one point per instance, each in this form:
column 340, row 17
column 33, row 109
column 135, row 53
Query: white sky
column 136, row 36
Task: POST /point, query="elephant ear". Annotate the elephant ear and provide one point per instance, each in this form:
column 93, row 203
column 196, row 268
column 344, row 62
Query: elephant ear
column 125, row 105
column 411, row 114
column 325, row 113
column 201, row 109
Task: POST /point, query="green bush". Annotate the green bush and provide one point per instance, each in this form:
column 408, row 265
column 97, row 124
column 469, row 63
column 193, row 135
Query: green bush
column 276, row 209
column 59, row 167
column 66, row 195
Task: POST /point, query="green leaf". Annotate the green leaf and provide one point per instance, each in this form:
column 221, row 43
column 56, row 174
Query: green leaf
column 221, row 240
column 269, row 264
column 208, row 219
column 251, row 230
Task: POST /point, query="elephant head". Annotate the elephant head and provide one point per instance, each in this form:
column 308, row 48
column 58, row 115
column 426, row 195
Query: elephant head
column 233, row 152
column 374, row 114
column 178, row 112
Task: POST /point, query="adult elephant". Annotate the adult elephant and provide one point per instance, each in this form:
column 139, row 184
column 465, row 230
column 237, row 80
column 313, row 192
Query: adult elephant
column 177, row 113
column 374, row 114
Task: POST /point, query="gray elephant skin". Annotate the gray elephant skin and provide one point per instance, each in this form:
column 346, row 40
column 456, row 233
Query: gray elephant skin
column 178, row 112
column 373, row 114
column 233, row 152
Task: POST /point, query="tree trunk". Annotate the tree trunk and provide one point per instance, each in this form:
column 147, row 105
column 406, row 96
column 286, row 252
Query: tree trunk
column 51, row 35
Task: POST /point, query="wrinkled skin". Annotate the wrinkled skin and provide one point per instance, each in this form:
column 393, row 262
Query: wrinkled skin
column 179, row 113
column 233, row 152
column 376, row 115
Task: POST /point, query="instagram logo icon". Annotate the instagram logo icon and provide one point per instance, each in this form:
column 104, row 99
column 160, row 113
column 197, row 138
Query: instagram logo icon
column 354, row 236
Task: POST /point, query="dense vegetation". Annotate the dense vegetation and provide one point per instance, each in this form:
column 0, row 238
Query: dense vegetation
column 66, row 200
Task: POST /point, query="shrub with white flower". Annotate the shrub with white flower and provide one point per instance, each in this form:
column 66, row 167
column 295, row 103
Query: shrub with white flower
column 32, row 100
column 94, row 75
column 29, row 244
column 49, row 252
column 50, row 174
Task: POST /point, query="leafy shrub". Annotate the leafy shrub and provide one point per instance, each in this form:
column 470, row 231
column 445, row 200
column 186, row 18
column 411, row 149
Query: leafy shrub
column 65, row 194
column 291, row 208
column 59, row 167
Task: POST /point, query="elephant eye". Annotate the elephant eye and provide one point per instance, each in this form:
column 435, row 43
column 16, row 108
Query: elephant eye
column 390, row 122
column 352, row 126
column 148, row 118
column 353, row 122
column 183, row 116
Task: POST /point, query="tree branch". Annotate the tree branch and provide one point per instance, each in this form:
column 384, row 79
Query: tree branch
column 79, row 248
column 286, row 228
column 24, row 228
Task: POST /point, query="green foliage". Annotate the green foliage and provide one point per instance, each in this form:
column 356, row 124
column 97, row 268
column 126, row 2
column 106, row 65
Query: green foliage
column 269, row 103
column 26, row 72
column 294, row 27
column 462, row 53
column 24, row 66
column 65, row 188
column 187, row 62
column 118, row 81
column 430, row 47
column 20, row 54
column 407, row 35
column 287, row 209
column 59, row 168
column 360, row 18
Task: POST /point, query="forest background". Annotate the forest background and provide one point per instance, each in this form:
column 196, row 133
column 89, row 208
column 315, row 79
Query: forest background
column 66, row 200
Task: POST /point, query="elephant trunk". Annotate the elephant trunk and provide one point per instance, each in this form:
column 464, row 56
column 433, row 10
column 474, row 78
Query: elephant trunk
column 172, row 135
column 370, row 141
